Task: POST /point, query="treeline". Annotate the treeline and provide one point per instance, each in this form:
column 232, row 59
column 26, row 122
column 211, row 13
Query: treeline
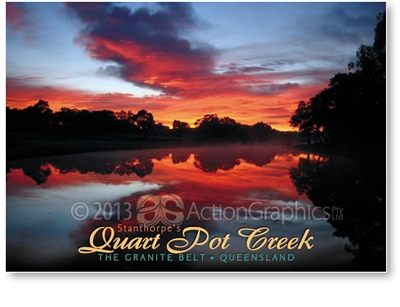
column 40, row 118
column 353, row 107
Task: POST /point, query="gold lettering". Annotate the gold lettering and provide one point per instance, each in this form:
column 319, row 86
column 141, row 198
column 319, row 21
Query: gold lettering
column 256, row 240
column 271, row 242
column 293, row 243
column 254, row 233
column 304, row 241
column 282, row 243
column 110, row 244
column 178, row 249
column 93, row 248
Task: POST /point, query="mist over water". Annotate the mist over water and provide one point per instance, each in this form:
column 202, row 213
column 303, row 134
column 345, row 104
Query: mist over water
column 222, row 188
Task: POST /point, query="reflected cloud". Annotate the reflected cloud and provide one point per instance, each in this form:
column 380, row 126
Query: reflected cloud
column 231, row 187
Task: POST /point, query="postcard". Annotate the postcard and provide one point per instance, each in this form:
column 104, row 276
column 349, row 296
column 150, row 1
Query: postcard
column 196, row 137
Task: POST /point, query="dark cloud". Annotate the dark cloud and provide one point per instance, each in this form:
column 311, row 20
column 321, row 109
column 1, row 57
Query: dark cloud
column 146, row 45
column 110, row 70
column 272, row 89
column 350, row 23
column 248, row 70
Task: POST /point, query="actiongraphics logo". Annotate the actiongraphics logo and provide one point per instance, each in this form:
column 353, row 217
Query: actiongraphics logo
column 258, row 211
column 153, row 209
column 168, row 209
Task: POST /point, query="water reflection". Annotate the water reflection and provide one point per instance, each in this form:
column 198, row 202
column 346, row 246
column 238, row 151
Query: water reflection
column 231, row 187
column 340, row 183
column 141, row 163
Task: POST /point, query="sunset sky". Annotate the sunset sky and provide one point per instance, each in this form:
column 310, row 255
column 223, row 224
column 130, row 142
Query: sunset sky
column 250, row 61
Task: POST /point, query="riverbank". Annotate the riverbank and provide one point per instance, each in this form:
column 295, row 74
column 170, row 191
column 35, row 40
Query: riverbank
column 30, row 145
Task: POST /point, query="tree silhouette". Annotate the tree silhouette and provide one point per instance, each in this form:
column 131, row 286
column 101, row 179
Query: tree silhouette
column 210, row 126
column 145, row 121
column 38, row 116
column 353, row 107
column 180, row 128
column 97, row 126
column 303, row 120
column 14, row 118
column 371, row 60
column 262, row 132
column 177, row 124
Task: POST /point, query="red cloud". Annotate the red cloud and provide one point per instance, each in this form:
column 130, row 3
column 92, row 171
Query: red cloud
column 145, row 46
column 15, row 16
column 147, row 49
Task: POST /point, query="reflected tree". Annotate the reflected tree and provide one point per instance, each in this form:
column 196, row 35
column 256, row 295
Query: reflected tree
column 339, row 183
column 213, row 164
column 39, row 171
column 39, row 174
column 139, row 167
column 208, row 159
column 180, row 157
column 211, row 161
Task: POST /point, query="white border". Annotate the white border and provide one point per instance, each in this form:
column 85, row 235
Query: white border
column 302, row 289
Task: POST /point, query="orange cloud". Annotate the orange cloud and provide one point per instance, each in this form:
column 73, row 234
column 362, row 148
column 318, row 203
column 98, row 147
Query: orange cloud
column 146, row 49
column 246, row 108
